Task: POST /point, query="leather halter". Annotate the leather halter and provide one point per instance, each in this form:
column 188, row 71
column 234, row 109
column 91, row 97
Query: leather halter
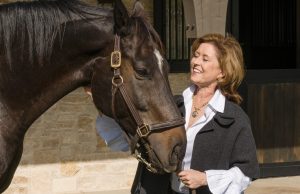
column 143, row 130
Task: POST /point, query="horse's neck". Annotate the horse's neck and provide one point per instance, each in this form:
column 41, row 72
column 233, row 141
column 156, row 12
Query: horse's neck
column 70, row 67
column 19, row 113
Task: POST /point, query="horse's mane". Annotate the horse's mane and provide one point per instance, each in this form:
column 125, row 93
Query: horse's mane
column 32, row 26
column 38, row 23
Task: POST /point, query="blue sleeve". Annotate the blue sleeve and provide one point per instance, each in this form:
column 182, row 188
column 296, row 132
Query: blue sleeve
column 112, row 133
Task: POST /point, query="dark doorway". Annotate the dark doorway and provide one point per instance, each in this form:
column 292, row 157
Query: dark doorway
column 267, row 32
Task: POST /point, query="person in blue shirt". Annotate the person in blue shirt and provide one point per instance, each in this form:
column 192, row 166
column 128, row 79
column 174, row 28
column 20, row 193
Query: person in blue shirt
column 112, row 133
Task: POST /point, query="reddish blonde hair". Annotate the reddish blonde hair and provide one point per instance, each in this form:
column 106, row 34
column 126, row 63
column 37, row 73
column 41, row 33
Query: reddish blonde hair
column 230, row 57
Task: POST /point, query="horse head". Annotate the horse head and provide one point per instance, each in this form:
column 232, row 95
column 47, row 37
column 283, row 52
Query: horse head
column 137, row 92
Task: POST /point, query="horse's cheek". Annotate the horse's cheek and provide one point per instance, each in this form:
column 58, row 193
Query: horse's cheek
column 101, row 92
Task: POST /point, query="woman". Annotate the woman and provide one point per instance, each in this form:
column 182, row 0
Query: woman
column 220, row 156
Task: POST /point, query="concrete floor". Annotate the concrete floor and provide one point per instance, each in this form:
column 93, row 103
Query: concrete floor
column 281, row 185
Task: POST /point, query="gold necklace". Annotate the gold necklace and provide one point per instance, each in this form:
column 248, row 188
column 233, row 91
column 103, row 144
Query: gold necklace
column 196, row 109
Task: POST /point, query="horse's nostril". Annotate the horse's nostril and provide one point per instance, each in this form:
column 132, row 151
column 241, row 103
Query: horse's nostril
column 175, row 156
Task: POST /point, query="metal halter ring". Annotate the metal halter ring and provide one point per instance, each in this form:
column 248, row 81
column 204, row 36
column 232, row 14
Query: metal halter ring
column 115, row 82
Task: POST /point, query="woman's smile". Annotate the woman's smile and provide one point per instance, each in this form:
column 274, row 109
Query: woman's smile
column 197, row 69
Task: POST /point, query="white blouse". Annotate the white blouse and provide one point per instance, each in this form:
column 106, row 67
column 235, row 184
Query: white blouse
column 231, row 181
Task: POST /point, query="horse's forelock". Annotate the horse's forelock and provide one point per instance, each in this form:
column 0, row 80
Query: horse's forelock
column 138, row 9
column 144, row 30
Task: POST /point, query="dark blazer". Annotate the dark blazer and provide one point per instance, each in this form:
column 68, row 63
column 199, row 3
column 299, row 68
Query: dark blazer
column 224, row 142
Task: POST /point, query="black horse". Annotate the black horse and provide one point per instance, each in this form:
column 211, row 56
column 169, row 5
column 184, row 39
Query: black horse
column 50, row 48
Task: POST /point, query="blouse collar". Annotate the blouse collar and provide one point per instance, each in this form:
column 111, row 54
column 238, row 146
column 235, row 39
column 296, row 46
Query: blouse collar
column 216, row 103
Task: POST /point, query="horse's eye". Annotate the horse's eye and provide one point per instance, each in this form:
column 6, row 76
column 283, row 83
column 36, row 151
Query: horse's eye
column 143, row 73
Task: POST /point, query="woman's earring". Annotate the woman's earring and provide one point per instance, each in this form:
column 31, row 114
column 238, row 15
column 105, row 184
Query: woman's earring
column 220, row 79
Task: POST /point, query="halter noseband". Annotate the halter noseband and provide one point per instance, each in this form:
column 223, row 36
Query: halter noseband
column 143, row 130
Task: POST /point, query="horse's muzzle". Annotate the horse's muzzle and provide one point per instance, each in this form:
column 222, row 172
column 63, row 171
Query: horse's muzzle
column 169, row 150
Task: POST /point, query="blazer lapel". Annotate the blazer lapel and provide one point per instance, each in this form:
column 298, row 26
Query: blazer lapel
column 223, row 120
column 220, row 120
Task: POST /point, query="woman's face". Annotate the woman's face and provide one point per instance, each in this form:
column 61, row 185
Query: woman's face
column 205, row 68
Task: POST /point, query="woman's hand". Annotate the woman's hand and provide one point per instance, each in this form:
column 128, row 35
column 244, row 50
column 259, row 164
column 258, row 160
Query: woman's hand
column 193, row 178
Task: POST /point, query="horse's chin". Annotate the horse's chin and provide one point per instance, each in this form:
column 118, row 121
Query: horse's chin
column 170, row 169
column 162, row 168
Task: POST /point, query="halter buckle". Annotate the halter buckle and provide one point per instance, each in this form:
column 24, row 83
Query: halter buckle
column 115, row 59
column 143, row 130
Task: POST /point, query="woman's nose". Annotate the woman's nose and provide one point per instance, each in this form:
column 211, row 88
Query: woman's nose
column 198, row 61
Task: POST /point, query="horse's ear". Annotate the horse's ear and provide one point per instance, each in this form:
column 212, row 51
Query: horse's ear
column 138, row 9
column 121, row 18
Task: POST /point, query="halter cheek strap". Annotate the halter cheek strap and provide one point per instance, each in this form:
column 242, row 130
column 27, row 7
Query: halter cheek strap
column 143, row 130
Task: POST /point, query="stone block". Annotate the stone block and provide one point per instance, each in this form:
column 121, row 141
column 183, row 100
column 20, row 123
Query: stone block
column 70, row 138
column 45, row 156
column 64, row 185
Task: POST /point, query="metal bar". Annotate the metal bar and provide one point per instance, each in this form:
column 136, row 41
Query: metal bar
column 169, row 33
column 185, row 55
column 298, row 35
column 176, row 28
column 159, row 18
